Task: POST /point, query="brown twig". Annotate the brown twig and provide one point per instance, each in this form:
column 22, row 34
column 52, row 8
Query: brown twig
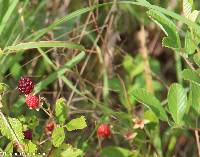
column 129, row 107
column 197, row 140
column 88, row 57
column 143, row 49
column 187, row 61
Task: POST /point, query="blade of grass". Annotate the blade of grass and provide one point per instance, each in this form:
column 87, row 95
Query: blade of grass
column 44, row 44
column 65, row 80
column 7, row 15
column 12, row 32
column 58, row 22
column 3, row 7
column 79, row 12
column 60, row 72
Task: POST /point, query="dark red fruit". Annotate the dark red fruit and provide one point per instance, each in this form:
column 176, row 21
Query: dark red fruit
column 28, row 134
column 25, row 85
column 103, row 130
column 50, row 126
column 32, row 101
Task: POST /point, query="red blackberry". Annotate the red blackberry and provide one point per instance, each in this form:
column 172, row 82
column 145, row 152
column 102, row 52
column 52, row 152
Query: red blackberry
column 28, row 134
column 32, row 101
column 103, row 130
column 25, row 85
column 50, row 126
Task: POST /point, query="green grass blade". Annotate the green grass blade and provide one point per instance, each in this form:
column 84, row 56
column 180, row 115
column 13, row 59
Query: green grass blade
column 79, row 12
column 65, row 80
column 60, row 72
column 44, row 44
column 7, row 15
column 58, row 22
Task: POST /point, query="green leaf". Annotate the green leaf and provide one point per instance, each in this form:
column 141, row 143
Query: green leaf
column 190, row 46
column 3, row 87
column 71, row 152
column 166, row 12
column 17, row 127
column 113, row 151
column 187, row 7
column 191, row 75
column 30, row 147
column 177, row 102
column 195, row 97
column 45, row 44
column 194, row 15
column 1, row 52
column 11, row 128
column 58, row 136
column 187, row 10
column 9, row 149
column 143, row 1
column 61, row 110
column 150, row 101
column 169, row 28
column 149, row 115
column 77, row 123
column 196, row 59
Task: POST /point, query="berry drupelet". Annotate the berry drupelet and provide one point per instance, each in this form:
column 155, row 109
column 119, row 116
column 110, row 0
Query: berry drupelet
column 103, row 130
column 25, row 85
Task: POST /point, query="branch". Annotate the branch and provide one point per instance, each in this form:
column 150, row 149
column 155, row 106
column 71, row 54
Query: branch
column 197, row 140
column 147, row 69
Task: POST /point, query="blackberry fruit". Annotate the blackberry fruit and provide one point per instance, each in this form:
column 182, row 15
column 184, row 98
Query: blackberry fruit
column 103, row 130
column 25, row 85
column 32, row 101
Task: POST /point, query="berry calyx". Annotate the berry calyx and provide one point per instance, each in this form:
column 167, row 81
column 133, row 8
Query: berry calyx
column 50, row 126
column 19, row 147
column 25, row 85
column 28, row 134
column 103, row 130
column 32, row 101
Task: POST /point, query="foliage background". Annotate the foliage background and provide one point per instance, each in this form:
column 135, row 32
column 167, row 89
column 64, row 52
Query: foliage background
column 123, row 51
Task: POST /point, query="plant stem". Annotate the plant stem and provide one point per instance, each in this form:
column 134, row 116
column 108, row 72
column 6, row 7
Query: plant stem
column 147, row 69
column 197, row 140
column 49, row 114
column 178, row 67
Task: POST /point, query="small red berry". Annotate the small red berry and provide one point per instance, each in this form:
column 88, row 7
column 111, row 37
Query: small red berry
column 103, row 130
column 32, row 101
column 50, row 126
column 25, row 85
column 28, row 134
